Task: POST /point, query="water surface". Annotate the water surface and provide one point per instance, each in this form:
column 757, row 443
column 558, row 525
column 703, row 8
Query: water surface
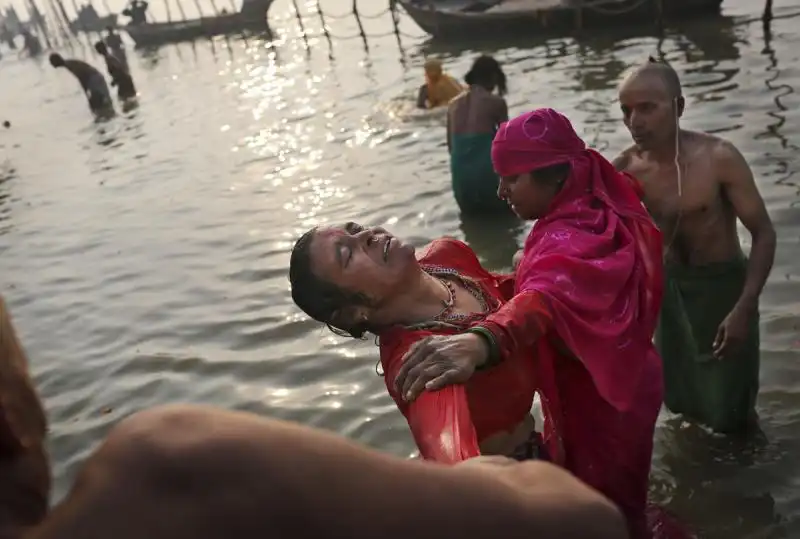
column 145, row 258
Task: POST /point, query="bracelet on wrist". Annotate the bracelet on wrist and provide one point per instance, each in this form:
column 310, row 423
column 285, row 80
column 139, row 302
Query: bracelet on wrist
column 493, row 358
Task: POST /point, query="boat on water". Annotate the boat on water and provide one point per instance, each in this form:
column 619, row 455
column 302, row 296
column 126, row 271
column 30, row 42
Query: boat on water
column 252, row 16
column 88, row 20
column 459, row 18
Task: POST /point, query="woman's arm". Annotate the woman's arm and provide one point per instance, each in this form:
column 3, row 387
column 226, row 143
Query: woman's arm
column 440, row 421
column 516, row 325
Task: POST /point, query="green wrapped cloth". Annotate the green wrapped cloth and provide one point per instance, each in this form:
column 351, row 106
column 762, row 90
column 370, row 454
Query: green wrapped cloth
column 718, row 393
column 474, row 180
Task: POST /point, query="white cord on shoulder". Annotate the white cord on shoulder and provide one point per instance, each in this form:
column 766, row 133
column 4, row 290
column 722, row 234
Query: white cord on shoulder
column 680, row 175
column 678, row 152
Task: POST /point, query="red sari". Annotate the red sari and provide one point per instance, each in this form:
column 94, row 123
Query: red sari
column 449, row 424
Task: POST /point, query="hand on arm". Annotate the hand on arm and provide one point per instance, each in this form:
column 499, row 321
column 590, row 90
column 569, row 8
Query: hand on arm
column 740, row 188
column 438, row 361
column 440, row 420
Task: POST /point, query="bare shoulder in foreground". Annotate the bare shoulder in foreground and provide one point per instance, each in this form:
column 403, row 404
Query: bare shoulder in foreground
column 190, row 472
column 194, row 473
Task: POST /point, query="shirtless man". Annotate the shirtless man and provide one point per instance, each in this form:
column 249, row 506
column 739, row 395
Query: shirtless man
column 472, row 120
column 91, row 80
column 188, row 472
column 120, row 76
column 696, row 186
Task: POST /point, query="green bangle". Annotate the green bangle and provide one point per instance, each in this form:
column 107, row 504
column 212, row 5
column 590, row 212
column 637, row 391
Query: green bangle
column 494, row 351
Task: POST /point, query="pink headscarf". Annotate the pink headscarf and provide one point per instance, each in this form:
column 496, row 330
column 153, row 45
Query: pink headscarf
column 595, row 254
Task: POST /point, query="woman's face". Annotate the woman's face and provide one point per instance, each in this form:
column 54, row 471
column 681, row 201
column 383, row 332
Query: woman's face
column 528, row 198
column 368, row 261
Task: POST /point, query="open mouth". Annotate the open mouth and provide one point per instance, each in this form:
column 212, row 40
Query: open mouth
column 386, row 249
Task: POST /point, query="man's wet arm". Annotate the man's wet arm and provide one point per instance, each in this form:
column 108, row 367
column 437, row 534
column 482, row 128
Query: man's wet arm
column 740, row 187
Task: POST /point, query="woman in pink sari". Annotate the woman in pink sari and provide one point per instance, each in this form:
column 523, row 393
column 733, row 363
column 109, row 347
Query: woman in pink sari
column 587, row 295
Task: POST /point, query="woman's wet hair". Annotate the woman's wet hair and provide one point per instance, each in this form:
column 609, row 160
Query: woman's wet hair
column 486, row 71
column 553, row 174
column 321, row 300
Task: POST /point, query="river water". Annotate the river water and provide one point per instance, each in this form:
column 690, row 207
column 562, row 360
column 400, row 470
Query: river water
column 145, row 258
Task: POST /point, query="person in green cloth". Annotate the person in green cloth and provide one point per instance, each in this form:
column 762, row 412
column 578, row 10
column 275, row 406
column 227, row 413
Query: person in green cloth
column 696, row 186
column 472, row 120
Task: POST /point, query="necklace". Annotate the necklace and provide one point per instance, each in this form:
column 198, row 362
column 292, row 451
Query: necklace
column 474, row 289
column 448, row 303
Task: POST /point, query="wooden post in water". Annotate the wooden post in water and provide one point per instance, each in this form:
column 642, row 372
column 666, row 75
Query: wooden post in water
column 39, row 22
column 199, row 9
column 180, row 8
column 767, row 16
column 579, row 16
column 169, row 12
column 395, row 18
column 660, row 15
column 360, row 26
column 299, row 18
column 322, row 20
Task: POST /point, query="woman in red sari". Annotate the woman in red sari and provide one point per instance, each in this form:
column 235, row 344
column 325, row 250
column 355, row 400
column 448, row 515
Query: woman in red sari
column 359, row 279
column 463, row 352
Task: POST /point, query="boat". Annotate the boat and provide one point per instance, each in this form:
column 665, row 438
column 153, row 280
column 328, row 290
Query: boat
column 459, row 18
column 88, row 20
column 252, row 16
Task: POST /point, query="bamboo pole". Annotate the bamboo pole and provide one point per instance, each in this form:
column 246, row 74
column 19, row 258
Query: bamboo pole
column 322, row 21
column 199, row 9
column 180, row 8
column 299, row 18
column 360, row 26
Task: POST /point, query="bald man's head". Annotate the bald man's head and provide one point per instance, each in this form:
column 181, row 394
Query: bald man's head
column 651, row 99
column 663, row 72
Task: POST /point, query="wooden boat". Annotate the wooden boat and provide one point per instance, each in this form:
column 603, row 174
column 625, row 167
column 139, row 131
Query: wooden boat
column 460, row 18
column 252, row 17
column 88, row 20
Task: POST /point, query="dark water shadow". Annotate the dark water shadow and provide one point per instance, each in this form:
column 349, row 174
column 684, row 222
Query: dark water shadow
column 494, row 239
column 729, row 475
column 150, row 56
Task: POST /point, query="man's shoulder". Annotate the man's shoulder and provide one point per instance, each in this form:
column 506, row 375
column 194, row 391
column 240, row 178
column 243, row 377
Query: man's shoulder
column 721, row 151
column 623, row 160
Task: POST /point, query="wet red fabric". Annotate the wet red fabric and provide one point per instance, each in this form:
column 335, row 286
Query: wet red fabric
column 595, row 257
column 449, row 424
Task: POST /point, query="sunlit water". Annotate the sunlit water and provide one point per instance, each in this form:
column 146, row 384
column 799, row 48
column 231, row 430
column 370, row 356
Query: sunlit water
column 145, row 258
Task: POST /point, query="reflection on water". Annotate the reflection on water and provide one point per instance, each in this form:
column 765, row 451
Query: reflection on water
column 145, row 257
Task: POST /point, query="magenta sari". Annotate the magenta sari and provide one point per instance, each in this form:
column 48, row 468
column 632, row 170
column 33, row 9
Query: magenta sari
column 595, row 258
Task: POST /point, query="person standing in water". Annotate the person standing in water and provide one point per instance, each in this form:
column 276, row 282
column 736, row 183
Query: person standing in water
column 439, row 87
column 696, row 186
column 114, row 43
column 472, row 121
column 120, row 77
column 91, row 80
column 234, row 475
